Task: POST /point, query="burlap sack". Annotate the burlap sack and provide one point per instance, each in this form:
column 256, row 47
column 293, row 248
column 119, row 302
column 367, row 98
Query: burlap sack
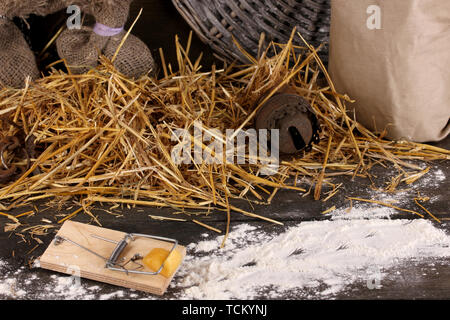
column 23, row 8
column 17, row 61
column 393, row 58
column 134, row 58
column 112, row 13
column 81, row 48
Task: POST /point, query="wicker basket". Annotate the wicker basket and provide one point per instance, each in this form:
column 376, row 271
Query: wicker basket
column 217, row 21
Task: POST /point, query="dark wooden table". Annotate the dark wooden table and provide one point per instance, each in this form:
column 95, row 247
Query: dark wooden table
column 413, row 281
column 157, row 27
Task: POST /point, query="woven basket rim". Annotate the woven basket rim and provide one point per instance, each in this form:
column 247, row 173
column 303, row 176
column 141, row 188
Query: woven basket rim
column 217, row 22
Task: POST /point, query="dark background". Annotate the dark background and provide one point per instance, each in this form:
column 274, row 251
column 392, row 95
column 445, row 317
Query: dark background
column 159, row 24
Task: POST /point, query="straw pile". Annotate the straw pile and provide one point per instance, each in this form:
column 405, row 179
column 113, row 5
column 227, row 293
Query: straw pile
column 105, row 138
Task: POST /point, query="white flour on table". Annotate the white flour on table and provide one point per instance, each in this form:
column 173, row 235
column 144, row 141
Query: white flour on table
column 60, row 287
column 312, row 259
column 315, row 259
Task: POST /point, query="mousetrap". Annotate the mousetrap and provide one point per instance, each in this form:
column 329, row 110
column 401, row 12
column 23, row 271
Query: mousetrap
column 136, row 261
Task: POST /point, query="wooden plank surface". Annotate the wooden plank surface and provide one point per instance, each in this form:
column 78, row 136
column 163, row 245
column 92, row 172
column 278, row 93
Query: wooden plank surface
column 68, row 258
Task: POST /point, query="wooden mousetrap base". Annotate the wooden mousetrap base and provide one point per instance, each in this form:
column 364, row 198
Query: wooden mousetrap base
column 67, row 257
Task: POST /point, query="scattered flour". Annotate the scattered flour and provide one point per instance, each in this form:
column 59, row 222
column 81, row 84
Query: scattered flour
column 60, row 287
column 362, row 211
column 67, row 288
column 9, row 286
column 312, row 259
column 404, row 193
column 433, row 179
column 117, row 294
column 430, row 181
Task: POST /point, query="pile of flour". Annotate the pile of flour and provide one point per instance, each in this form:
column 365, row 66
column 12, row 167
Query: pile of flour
column 315, row 259
column 21, row 285
column 310, row 260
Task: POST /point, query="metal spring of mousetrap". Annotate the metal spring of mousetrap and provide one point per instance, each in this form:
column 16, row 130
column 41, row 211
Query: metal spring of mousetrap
column 112, row 263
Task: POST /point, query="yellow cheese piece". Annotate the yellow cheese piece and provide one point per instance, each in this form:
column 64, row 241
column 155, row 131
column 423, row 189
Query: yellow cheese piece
column 156, row 258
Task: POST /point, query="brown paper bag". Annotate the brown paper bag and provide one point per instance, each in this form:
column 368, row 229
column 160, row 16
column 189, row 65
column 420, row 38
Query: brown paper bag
column 393, row 58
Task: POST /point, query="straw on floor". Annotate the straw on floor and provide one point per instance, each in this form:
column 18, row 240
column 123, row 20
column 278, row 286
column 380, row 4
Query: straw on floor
column 107, row 139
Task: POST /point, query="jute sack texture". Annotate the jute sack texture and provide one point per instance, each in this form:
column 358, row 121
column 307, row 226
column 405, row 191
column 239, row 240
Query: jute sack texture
column 393, row 58
column 17, row 61
column 80, row 48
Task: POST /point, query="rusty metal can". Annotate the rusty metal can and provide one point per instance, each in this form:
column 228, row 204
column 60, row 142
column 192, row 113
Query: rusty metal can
column 294, row 117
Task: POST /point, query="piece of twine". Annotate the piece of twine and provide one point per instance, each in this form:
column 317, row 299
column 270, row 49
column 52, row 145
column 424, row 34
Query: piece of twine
column 105, row 31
